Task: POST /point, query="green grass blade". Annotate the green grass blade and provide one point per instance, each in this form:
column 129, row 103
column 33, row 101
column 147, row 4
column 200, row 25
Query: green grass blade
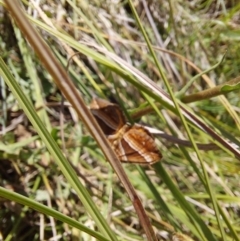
column 64, row 165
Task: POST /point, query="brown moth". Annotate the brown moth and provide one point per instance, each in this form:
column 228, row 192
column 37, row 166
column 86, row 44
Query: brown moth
column 132, row 143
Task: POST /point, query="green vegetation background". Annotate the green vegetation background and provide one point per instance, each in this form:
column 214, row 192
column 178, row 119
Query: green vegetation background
column 193, row 194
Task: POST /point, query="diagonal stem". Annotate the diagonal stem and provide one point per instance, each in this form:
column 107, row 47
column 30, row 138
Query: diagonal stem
column 72, row 95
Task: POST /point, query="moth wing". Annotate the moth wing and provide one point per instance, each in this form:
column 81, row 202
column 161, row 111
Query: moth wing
column 137, row 146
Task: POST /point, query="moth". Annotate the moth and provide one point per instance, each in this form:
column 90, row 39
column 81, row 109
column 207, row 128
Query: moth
column 132, row 143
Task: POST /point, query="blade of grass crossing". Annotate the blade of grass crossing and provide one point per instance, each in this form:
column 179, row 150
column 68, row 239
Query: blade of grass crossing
column 209, row 189
column 64, row 165
column 165, row 210
column 204, row 232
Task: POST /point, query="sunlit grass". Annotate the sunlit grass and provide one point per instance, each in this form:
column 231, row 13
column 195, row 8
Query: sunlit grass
column 114, row 63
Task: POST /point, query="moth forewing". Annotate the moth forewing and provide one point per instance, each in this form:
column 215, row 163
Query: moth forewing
column 108, row 115
column 140, row 140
